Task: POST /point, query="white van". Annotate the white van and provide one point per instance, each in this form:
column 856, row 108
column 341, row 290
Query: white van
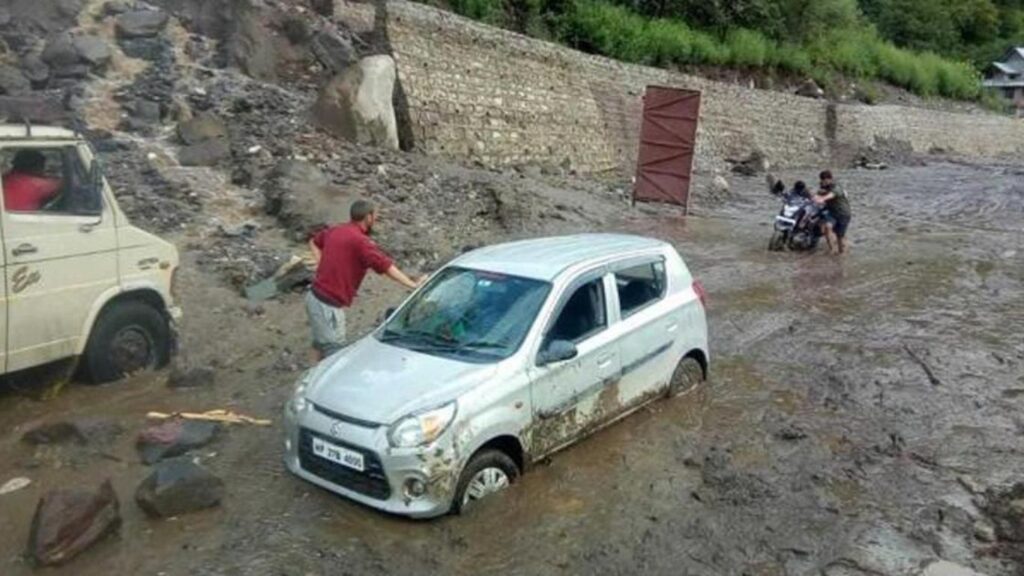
column 79, row 280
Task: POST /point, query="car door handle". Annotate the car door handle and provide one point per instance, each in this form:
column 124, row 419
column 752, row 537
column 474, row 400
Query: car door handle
column 673, row 327
column 23, row 249
column 605, row 361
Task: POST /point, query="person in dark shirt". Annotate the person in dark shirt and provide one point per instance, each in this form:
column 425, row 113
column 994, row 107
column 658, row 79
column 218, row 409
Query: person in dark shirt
column 838, row 215
column 344, row 254
column 26, row 186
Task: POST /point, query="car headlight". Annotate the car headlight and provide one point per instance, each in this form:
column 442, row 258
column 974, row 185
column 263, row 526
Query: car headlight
column 421, row 428
column 299, row 402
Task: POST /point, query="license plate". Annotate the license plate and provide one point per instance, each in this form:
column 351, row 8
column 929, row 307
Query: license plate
column 338, row 455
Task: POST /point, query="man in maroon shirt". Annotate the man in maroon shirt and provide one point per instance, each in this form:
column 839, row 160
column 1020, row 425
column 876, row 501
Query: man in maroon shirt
column 343, row 254
column 26, row 186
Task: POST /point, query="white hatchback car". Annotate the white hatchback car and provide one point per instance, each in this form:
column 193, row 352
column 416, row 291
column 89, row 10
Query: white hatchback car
column 508, row 354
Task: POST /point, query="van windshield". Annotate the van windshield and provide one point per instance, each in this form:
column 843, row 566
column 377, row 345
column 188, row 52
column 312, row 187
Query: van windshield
column 468, row 314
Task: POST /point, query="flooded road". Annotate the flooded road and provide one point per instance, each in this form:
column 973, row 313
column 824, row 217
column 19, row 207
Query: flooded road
column 853, row 403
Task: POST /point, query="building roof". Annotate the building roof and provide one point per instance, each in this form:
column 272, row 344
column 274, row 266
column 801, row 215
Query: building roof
column 20, row 131
column 1005, row 68
column 546, row 258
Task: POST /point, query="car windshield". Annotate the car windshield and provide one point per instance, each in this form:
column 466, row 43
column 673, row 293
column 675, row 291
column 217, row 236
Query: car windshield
column 467, row 314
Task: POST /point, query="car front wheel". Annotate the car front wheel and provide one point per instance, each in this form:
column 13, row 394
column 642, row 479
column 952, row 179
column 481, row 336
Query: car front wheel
column 488, row 472
column 129, row 337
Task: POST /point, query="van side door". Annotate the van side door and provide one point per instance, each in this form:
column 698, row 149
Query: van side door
column 568, row 395
column 61, row 248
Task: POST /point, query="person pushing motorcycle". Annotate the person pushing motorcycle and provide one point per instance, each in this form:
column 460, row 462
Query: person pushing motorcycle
column 838, row 213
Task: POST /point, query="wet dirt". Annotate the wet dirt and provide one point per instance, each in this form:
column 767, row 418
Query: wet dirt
column 819, row 446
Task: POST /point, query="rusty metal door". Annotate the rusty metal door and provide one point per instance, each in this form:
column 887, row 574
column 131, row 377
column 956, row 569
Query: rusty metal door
column 668, row 134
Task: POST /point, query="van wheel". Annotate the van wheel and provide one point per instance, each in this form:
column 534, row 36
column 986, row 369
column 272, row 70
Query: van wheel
column 687, row 376
column 487, row 473
column 129, row 337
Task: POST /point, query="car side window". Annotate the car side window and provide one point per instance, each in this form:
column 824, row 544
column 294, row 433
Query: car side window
column 48, row 180
column 582, row 316
column 639, row 286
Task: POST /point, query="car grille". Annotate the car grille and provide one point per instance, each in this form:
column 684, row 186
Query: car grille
column 371, row 482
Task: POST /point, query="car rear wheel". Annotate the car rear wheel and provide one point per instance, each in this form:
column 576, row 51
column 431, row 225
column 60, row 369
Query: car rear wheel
column 686, row 377
column 128, row 337
column 488, row 472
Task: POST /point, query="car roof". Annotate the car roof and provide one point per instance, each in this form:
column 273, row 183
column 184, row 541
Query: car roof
column 546, row 258
column 23, row 132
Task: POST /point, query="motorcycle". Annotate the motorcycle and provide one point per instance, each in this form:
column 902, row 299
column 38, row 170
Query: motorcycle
column 797, row 225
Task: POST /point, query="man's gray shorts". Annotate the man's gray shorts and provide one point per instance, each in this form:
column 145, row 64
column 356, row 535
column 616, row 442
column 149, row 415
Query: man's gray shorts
column 327, row 325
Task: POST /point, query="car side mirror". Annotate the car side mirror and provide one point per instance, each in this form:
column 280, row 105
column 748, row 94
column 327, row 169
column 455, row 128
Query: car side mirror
column 557, row 351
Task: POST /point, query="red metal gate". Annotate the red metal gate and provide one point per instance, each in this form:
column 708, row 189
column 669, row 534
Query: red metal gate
column 667, row 137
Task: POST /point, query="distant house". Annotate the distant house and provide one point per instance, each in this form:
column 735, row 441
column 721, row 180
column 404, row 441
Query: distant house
column 1007, row 76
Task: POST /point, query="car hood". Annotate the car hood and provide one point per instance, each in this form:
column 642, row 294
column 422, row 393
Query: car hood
column 379, row 382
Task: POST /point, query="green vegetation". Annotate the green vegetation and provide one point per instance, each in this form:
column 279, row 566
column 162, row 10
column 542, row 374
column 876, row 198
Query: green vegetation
column 930, row 47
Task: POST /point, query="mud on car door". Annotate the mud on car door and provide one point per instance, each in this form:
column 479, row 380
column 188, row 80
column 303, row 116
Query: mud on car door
column 576, row 364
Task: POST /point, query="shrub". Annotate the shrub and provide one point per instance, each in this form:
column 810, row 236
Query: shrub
column 748, row 48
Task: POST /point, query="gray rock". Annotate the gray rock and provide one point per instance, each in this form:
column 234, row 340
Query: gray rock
column 208, row 153
column 12, row 81
column 332, row 50
column 984, row 532
column 357, row 104
column 178, row 487
column 35, row 70
column 201, row 128
column 140, row 24
column 93, row 50
column 147, row 111
column 115, row 7
column 84, row 431
column 60, row 51
column 67, row 522
column 194, row 377
column 810, row 89
column 5, row 16
column 174, row 438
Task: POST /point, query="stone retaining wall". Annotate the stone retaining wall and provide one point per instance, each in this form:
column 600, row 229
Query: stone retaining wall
column 483, row 94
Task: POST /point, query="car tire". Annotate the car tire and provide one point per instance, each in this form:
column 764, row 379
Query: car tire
column 128, row 337
column 492, row 469
column 687, row 376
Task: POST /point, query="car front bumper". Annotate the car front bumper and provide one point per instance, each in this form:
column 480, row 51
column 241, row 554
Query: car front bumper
column 435, row 466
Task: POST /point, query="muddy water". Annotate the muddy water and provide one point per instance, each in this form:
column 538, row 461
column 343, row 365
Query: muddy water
column 820, row 446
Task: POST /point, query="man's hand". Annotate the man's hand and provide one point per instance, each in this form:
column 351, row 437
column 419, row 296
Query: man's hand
column 398, row 276
column 421, row 280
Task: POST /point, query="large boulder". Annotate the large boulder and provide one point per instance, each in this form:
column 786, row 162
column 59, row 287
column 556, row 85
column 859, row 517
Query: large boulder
column 357, row 104
column 173, row 438
column 141, row 23
column 206, row 141
column 177, row 487
column 67, row 522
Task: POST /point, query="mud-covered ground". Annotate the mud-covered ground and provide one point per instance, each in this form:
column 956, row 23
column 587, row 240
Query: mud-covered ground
column 820, row 445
